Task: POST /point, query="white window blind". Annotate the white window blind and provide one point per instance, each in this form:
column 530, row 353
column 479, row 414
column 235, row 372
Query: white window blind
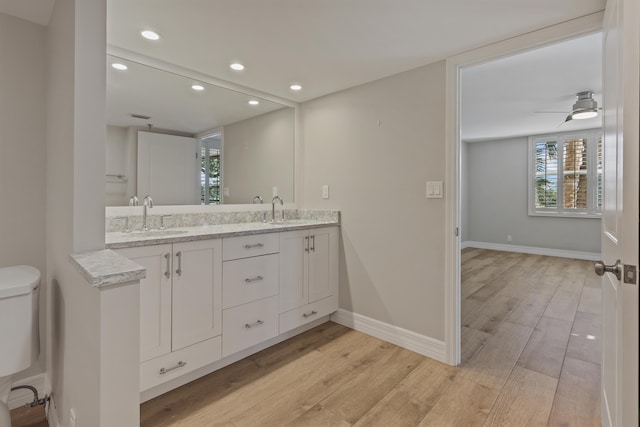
column 565, row 176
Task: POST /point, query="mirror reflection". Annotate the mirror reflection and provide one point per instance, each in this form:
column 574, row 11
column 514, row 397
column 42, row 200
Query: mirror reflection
column 186, row 142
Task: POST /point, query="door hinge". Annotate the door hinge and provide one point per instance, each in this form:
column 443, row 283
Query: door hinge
column 630, row 274
column 457, row 231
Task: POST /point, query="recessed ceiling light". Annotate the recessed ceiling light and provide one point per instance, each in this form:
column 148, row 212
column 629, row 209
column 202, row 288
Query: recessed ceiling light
column 295, row 87
column 254, row 102
column 119, row 66
column 199, row 88
column 237, row 66
column 150, row 35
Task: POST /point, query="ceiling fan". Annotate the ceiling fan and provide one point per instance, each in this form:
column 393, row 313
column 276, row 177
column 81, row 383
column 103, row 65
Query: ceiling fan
column 585, row 107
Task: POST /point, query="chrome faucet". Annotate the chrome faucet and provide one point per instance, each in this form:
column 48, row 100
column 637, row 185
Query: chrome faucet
column 147, row 203
column 133, row 201
column 259, row 199
column 273, row 208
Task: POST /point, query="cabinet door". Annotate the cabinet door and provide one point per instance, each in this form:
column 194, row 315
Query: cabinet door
column 323, row 255
column 197, row 292
column 294, row 246
column 155, row 299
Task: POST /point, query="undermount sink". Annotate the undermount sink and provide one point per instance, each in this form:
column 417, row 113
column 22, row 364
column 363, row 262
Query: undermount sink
column 281, row 223
column 158, row 233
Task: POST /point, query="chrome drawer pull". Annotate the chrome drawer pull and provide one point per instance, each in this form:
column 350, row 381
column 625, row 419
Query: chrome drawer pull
column 179, row 270
column 180, row 364
column 254, row 279
column 168, row 258
column 254, row 324
column 256, row 245
column 313, row 313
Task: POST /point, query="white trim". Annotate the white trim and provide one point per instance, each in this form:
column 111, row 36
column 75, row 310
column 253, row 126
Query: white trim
column 52, row 414
column 535, row 39
column 561, row 253
column 19, row 398
column 404, row 338
column 205, row 370
column 465, row 245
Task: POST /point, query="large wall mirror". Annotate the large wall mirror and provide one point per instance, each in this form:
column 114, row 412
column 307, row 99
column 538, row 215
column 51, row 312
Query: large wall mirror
column 187, row 142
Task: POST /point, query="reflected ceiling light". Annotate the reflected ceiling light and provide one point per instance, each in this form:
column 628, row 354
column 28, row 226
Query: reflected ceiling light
column 585, row 107
column 296, row 87
column 118, row 66
column 197, row 87
column 150, row 35
column 254, row 102
column 236, row 66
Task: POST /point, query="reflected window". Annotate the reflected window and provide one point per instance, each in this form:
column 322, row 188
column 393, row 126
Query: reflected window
column 210, row 171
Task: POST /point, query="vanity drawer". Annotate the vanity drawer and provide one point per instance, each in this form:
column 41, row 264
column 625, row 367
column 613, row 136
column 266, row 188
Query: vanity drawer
column 250, row 279
column 299, row 316
column 248, row 246
column 182, row 361
column 249, row 324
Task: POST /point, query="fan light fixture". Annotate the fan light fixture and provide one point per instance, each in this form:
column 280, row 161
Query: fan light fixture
column 585, row 107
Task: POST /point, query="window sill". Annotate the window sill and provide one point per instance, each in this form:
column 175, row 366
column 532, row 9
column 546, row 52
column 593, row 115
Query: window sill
column 566, row 214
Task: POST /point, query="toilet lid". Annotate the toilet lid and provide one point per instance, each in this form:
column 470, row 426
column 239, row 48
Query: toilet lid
column 18, row 280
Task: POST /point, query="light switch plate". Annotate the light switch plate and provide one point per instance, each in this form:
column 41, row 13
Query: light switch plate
column 325, row 191
column 434, row 190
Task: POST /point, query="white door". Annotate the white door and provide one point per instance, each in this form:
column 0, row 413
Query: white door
column 168, row 169
column 620, row 213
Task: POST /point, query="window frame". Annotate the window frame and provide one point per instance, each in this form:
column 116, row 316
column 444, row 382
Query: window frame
column 592, row 211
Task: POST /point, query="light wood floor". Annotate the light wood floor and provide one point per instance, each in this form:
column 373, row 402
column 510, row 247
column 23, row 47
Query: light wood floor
column 531, row 354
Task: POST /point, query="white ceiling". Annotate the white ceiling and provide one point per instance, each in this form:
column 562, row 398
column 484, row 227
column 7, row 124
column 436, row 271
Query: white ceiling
column 325, row 45
column 513, row 96
column 330, row 45
column 170, row 101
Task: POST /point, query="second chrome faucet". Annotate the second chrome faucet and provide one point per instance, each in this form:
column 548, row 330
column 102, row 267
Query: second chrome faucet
column 147, row 203
column 273, row 208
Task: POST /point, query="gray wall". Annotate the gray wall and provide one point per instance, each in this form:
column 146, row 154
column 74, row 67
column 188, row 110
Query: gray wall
column 23, row 153
column 497, row 195
column 258, row 155
column 376, row 145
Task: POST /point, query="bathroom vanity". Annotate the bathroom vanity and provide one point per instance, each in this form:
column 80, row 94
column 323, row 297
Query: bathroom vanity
column 216, row 293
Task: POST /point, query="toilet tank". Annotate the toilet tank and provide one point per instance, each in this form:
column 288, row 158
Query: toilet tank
column 19, row 328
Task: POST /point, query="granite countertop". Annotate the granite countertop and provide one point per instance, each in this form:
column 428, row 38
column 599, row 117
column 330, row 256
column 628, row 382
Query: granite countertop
column 115, row 240
column 107, row 267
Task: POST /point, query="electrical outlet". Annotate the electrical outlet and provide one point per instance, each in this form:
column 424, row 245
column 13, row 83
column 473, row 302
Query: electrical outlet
column 509, row 237
column 226, row 191
column 274, row 191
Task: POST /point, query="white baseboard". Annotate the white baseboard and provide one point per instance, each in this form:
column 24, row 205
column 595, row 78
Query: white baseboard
column 21, row 397
column 562, row 253
column 404, row 338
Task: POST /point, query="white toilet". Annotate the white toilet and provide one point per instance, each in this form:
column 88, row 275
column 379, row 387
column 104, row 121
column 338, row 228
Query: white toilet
column 19, row 331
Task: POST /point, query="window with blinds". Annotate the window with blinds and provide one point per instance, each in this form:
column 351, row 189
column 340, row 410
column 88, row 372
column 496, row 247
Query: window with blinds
column 566, row 174
column 210, row 176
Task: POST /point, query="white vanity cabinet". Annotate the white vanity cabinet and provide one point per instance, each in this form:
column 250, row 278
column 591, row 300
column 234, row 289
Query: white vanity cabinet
column 250, row 296
column 210, row 299
column 308, row 275
column 180, row 308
